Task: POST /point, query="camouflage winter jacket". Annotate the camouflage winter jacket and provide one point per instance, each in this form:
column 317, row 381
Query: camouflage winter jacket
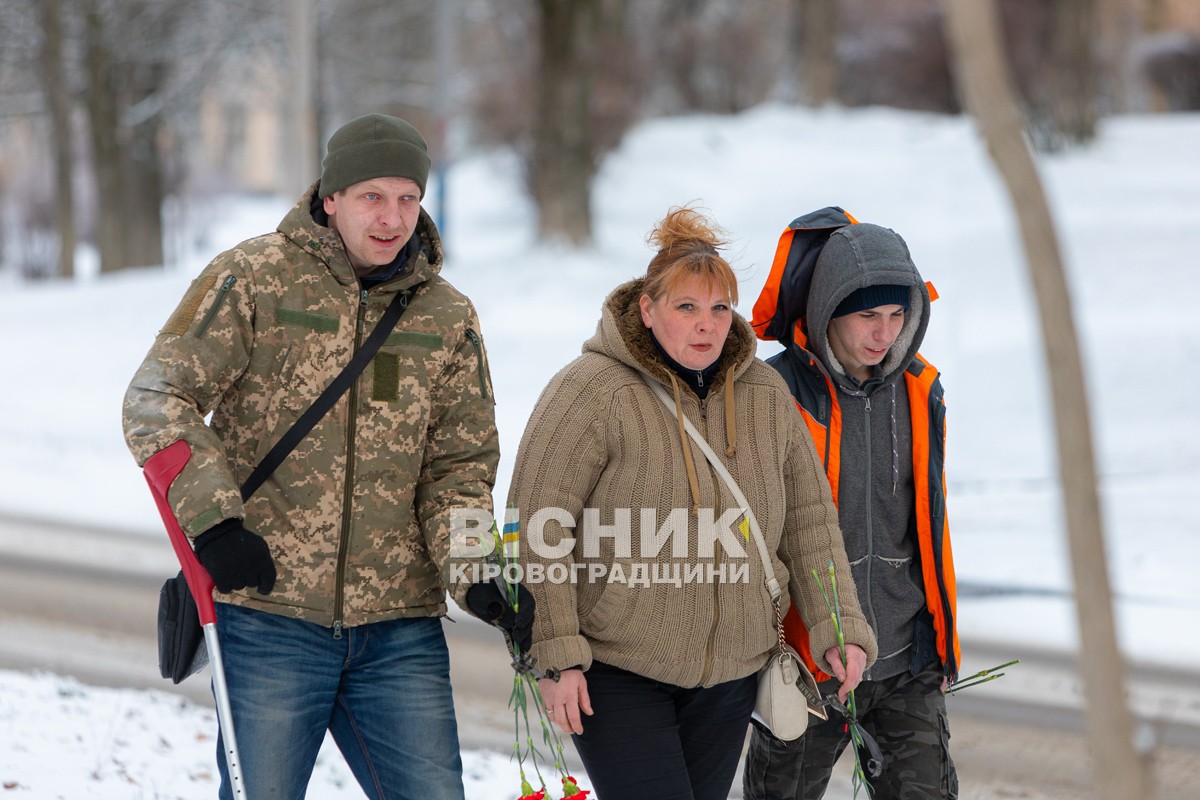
column 358, row 516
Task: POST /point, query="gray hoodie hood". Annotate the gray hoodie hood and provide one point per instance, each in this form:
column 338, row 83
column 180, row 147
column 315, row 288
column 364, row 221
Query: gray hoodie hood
column 875, row 487
column 855, row 257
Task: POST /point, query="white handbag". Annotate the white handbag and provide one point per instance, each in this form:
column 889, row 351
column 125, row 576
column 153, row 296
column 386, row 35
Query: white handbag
column 779, row 706
column 787, row 691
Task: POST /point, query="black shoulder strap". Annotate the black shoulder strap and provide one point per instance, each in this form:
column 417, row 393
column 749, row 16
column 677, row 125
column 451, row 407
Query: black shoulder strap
column 320, row 407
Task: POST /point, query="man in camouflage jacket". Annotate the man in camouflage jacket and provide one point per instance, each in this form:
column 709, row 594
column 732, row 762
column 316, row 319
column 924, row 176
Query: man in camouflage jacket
column 347, row 545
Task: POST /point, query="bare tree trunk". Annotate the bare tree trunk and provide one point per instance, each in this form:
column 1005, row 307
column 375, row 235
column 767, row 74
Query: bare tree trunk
column 124, row 110
column 982, row 73
column 1075, row 33
column 816, row 35
column 1118, row 25
column 303, row 160
column 59, row 102
column 685, row 54
column 1155, row 14
column 107, row 153
column 142, row 184
column 564, row 149
column 445, row 103
column 1154, row 20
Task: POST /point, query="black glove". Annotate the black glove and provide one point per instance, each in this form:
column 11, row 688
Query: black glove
column 235, row 557
column 486, row 601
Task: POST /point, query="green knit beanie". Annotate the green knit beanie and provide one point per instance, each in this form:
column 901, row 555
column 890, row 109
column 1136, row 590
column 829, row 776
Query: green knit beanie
column 374, row 146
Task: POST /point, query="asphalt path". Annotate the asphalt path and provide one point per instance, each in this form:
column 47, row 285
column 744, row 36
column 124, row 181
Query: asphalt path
column 82, row 601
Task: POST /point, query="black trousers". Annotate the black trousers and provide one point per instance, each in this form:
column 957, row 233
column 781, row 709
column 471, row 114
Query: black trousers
column 656, row 741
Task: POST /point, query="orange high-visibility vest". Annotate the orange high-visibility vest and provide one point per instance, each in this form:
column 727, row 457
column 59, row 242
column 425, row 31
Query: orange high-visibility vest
column 816, row 398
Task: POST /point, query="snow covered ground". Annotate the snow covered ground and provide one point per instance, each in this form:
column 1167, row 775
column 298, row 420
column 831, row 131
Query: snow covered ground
column 70, row 741
column 1128, row 215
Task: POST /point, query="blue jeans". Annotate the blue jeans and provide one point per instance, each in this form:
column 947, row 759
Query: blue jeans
column 382, row 690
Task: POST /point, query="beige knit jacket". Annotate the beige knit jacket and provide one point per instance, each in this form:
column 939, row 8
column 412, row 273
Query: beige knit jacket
column 600, row 441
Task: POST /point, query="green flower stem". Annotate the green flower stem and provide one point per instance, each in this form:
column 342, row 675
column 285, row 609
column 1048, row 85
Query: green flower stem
column 859, row 778
column 983, row 676
column 527, row 679
column 525, row 689
column 985, row 672
column 837, row 612
column 958, row 687
column 516, row 701
column 553, row 739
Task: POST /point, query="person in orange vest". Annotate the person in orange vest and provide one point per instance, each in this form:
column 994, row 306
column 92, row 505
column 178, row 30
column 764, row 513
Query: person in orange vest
column 875, row 409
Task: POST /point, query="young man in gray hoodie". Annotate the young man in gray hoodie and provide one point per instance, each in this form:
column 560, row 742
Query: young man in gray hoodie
column 875, row 410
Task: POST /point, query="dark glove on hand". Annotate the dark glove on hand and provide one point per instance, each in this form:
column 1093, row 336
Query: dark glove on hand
column 486, row 601
column 235, row 557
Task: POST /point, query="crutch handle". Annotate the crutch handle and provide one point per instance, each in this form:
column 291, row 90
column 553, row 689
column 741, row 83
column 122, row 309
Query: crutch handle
column 161, row 470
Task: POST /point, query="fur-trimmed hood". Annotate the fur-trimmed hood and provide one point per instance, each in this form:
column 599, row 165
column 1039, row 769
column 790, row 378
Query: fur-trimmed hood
column 622, row 335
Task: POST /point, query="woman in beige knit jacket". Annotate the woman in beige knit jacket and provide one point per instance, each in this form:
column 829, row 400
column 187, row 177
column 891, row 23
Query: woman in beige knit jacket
column 650, row 596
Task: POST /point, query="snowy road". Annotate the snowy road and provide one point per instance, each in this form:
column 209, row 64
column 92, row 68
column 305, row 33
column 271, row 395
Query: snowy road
column 82, row 602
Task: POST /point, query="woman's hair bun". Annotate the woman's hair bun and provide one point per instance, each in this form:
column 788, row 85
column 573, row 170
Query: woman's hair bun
column 684, row 225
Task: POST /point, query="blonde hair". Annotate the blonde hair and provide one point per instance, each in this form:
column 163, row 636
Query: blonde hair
column 688, row 244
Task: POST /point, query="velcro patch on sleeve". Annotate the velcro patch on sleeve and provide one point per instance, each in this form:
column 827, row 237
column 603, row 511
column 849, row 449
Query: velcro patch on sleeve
column 181, row 320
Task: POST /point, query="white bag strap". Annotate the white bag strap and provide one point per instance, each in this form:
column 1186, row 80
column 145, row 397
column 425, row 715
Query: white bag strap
column 763, row 553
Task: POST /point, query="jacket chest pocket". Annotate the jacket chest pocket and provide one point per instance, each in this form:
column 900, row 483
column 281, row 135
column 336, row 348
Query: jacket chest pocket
column 402, row 370
column 295, row 355
column 312, row 354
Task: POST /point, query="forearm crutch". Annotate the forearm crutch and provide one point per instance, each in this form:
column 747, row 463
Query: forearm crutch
column 161, row 470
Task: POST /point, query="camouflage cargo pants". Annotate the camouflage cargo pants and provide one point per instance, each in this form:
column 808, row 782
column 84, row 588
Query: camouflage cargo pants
column 907, row 716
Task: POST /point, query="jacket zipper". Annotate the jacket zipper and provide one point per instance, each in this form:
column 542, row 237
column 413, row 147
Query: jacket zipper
column 870, row 609
column 216, row 306
column 474, row 337
column 712, row 631
column 348, row 489
column 828, row 423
